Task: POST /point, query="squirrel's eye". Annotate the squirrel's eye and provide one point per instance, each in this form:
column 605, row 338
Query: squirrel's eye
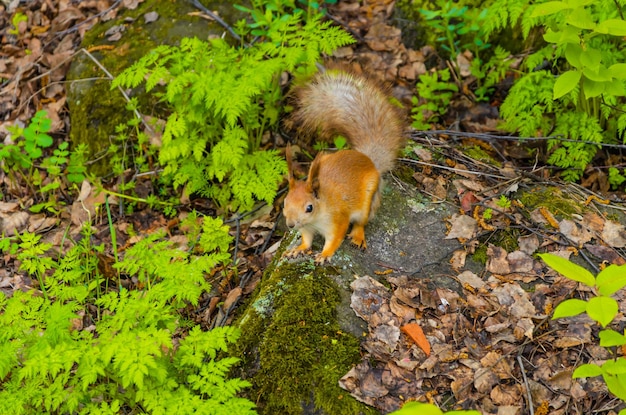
column 309, row 208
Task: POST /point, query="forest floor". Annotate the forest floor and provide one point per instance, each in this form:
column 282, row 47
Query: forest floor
column 491, row 345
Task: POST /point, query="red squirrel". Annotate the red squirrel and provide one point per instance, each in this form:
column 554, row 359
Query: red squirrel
column 343, row 187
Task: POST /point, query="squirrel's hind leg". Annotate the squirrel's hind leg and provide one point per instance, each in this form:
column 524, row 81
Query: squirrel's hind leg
column 372, row 202
column 357, row 235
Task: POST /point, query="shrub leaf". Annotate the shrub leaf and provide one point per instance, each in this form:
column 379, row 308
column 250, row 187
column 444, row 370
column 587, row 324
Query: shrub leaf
column 602, row 309
column 569, row 308
column 569, row 269
column 611, row 279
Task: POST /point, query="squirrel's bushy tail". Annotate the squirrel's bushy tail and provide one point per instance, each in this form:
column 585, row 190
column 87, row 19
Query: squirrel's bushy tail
column 337, row 102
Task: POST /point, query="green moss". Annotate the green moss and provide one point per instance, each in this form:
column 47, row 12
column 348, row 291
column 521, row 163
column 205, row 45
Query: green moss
column 291, row 334
column 551, row 198
column 480, row 255
column 93, row 122
column 506, row 239
column 478, row 153
column 614, row 217
column 404, row 173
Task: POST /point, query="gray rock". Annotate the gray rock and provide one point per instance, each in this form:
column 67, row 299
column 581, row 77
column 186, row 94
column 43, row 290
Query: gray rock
column 406, row 236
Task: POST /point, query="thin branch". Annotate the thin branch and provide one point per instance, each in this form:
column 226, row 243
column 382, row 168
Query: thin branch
column 124, row 94
column 438, row 166
column 528, row 394
column 218, row 19
column 495, row 137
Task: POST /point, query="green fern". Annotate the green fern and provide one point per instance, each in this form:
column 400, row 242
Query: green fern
column 502, row 14
column 223, row 100
column 584, row 101
column 435, row 91
column 127, row 360
column 574, row 156
column 538, row 58
column 528, row 107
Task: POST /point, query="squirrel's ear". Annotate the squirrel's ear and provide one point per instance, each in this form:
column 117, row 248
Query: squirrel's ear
column 313, row 181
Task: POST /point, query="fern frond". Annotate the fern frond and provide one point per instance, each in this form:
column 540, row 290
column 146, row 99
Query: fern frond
column 258, row 179
column 528, row 107
column 228, row 153
column 215, row 236
column 503, row 13
column 575, row 156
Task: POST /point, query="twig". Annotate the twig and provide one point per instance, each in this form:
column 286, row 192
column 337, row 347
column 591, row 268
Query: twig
column 218, row 19
column 438, row 166
column 27, row 101
column 495, row 137
column 124, row 94
column 528, row 394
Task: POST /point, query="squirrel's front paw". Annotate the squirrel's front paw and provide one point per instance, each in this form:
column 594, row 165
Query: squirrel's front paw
column 296, row 252
column 321, row 259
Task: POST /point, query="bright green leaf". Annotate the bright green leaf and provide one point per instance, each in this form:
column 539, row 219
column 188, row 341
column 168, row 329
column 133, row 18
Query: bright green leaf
column 565, row 83
column 587, row 371
column 611, row 279
column 618, row 70
column 592, row 88
column 602, row 309
column 412, row 408
column 549, row 8
column 569, row 308
column 615, row 27
column 591, row 58
column 581, row 18
column 552, row 37
column 616, row 385
column 580, row 3
column 568, row 35
column 572, row 54
column 610, row 338
column 43, row 140
column 600, row 74
column 615, row 88
column 568, row 269
column 615, row 367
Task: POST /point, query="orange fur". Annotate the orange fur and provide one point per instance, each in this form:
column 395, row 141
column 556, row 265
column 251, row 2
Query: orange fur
column 342, row 187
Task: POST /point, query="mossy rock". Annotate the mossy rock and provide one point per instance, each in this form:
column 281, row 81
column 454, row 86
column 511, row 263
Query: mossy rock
column 292, row 331
column 95, row 109
column 299, row 334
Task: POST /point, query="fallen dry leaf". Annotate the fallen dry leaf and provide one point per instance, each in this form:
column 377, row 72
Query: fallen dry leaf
column 574, row 232
column 497, row 261
column 614, row 234
column 506, row 395
column 415, row 332
column 528, row 243
column 462, row 227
